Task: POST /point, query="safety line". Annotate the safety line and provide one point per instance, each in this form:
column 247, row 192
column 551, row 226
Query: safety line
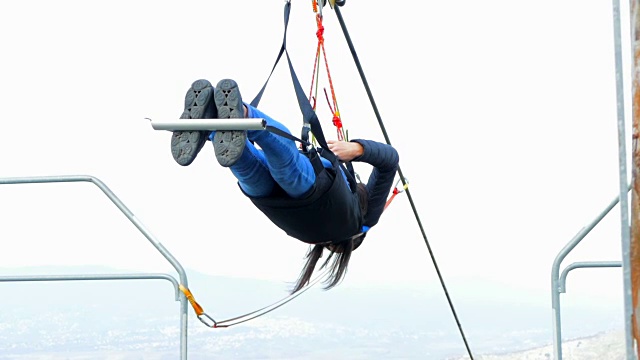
column 267, row 309
column 386, row 136
column 212, row 323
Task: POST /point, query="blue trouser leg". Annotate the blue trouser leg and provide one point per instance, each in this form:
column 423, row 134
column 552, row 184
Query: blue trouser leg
column 252, row 172
column 278, row 161
column 288, row 167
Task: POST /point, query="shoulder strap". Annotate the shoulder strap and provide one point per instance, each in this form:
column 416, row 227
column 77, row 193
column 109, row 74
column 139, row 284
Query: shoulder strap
column 310, row 120
column 309, row 117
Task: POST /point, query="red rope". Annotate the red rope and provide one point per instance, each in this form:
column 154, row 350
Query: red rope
column 395, row 192
column 313, row 76
column 337, row 121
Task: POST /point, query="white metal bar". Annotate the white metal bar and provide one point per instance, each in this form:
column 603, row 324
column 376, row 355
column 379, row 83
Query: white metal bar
column 95, row 277
column 209, row 124
column 562, row 286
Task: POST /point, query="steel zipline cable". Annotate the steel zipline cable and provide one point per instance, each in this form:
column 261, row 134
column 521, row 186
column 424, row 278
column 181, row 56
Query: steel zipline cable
column 386, row 136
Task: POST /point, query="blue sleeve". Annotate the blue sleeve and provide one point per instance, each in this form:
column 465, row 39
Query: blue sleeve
column 384, row 159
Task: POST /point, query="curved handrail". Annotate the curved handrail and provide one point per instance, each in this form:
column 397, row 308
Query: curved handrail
column 137, row 223
column 92, row 277
column 562, row 284
column 123, row 208
column 558, row 281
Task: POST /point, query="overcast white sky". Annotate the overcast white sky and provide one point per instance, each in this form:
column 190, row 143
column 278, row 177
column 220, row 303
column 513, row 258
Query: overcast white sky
column 504, row 115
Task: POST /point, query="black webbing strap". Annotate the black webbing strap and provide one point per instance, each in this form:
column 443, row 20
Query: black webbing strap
column 309, row 118
column 312, row 154
column 258, row 97
column 307, row 112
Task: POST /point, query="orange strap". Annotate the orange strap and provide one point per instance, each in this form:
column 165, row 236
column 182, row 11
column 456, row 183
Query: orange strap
column 196, row 307
column 202, row 316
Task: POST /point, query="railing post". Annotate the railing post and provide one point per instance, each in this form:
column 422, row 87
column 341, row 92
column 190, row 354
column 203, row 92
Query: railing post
column 634, row 248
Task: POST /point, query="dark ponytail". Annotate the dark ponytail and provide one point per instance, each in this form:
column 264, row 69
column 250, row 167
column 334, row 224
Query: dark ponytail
column 338, row 260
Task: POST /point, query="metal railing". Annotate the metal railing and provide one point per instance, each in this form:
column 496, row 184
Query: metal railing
column 142, row 276
column 558, row 280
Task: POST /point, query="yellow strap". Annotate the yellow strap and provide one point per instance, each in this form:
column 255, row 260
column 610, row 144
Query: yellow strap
column 196, row 307
column 332, row 3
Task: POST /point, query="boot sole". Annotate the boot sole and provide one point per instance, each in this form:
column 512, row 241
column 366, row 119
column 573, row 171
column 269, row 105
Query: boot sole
column 228, row 144
column 185, row 145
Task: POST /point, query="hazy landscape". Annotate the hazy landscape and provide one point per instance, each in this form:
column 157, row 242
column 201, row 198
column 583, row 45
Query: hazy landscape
column 140, row 320
column 603, row 346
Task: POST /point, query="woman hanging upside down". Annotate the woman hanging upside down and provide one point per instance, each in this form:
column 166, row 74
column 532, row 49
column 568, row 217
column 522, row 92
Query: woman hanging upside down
column 307, row 196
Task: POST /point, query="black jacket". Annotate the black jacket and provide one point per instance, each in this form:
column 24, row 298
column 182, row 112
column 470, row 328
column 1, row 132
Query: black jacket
column 331, row 210
column 384, row 160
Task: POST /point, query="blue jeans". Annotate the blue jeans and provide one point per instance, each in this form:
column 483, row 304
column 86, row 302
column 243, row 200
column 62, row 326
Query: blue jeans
column 278, row 161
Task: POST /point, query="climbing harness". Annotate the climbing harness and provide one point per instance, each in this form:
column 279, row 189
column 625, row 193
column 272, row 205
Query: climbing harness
column 310, row 124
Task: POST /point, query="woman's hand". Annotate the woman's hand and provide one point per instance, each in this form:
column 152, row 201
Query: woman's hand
column 344, row 150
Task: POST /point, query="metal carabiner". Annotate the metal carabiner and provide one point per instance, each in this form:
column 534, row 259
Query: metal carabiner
column 403, row 187
column 208, row 321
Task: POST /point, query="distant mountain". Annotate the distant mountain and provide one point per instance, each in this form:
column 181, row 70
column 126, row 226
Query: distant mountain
column 140, row 320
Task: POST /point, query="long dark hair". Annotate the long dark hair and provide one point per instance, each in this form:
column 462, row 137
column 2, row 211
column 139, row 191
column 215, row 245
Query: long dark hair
column 337, row 263
column 340, row 252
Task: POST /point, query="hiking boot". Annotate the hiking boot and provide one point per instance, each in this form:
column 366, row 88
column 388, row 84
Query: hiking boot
column 228, row 144
column 185, row 145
